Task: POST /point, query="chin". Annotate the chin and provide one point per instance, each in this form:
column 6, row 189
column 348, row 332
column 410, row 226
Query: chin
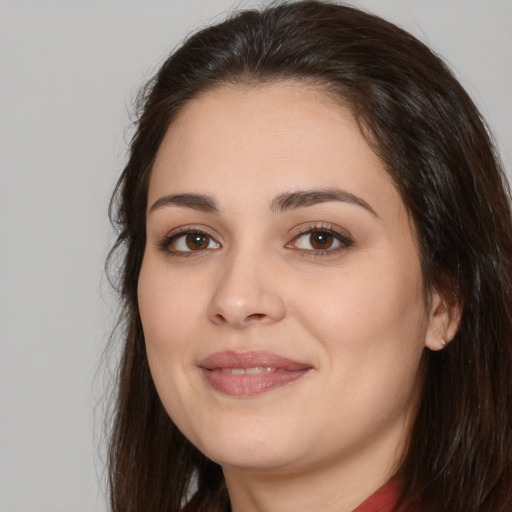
column 249, row 449
column 265, row 460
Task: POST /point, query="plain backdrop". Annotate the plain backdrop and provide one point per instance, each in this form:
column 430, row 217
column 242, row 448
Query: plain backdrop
column 69, row 71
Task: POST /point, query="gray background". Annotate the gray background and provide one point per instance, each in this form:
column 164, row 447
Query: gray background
column 68, row 73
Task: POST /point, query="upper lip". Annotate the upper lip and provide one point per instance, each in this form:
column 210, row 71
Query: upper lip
column 250, row 359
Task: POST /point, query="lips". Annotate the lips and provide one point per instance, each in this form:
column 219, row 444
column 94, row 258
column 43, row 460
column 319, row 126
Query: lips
column 246, row 374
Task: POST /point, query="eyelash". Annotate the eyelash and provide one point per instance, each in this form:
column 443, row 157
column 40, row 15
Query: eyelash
column 344, row 240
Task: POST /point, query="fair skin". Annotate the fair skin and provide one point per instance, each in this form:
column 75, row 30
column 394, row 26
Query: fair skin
column 241, row 262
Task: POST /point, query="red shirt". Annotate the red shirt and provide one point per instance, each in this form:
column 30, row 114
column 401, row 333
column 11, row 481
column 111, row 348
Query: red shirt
column 384, row 500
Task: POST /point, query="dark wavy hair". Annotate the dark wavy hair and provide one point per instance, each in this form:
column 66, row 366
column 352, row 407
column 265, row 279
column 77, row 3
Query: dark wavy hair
column 437, row 149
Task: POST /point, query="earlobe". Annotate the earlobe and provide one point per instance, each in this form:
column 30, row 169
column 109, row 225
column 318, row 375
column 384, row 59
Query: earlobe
column 444, row 320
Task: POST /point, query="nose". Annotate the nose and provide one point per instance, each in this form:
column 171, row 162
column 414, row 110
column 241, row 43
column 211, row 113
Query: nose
column 246, row 292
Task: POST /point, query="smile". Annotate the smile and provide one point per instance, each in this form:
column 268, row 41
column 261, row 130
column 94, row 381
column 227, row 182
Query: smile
column 246, row 374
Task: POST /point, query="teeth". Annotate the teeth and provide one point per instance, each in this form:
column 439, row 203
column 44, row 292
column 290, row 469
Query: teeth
column 237, row 371
column 257, row 370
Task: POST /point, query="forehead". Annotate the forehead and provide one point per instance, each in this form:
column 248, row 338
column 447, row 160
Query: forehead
column 266, row 139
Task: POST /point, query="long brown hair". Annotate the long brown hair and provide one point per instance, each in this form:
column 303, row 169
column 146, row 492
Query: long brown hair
column 436, row 147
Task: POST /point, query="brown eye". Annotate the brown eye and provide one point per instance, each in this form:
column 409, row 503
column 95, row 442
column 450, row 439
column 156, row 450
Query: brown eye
column 192, row 241
column 197, row 241
column 321, row 240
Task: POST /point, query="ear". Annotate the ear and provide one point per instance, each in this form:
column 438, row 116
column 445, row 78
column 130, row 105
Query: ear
column 444, row 320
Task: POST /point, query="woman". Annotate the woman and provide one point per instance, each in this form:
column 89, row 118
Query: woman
column 316, row 277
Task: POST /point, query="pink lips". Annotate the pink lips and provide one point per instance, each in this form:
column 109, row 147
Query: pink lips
column 250, row 373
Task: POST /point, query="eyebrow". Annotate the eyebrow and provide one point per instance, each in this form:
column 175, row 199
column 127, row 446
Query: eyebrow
column 303, row 198
column 280, row 204
column 198, row 202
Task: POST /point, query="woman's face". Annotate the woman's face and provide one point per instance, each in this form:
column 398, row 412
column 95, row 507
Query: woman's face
column 280, row 293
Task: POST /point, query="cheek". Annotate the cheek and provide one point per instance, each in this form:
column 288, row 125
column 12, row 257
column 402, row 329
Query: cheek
column 170, row 316
column 371, row 321
column 372, row 331
column 354, row 303
column 168, row 309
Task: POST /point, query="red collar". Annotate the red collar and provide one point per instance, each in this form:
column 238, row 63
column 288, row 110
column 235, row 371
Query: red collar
column 383, row 500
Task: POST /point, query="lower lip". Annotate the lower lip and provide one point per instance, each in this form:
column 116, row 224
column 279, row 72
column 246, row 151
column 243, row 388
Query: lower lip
column 250, row 385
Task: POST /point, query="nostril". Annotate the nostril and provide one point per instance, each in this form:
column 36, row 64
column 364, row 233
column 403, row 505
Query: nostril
column 256, row 316
column 219, row 318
